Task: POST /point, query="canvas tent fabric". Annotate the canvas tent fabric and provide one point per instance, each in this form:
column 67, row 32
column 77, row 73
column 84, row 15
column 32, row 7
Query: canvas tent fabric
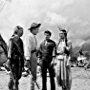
column 3, row 51
column 3, row 57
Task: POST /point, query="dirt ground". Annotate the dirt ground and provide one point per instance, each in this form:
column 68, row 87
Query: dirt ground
column 80, row 80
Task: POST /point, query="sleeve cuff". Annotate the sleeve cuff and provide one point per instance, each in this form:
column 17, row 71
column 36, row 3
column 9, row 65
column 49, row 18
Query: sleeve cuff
column 9, row 57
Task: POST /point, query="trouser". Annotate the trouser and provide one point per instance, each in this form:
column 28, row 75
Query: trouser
column 13, row 83
column 15, row 75
column 63, row 74
column 69, row 78
column 33, row 69
column 32, row 84
column 33, row 78
column 44, row 68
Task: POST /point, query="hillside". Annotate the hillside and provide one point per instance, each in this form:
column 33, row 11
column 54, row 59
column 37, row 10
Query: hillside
column 85, row 48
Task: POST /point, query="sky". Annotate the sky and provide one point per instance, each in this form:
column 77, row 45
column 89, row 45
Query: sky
column 73, row 15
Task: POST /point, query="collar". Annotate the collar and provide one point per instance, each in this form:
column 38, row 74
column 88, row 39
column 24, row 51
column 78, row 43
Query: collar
column 61, row 40
column 32, row 34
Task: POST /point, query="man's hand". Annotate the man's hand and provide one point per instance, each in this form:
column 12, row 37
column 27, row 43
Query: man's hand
column 39, row 62
column 53, row 62
column 27, row 63
column 26, row 68
column 7, row 65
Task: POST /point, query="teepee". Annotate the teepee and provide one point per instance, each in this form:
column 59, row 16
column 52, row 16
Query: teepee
column 3, row 51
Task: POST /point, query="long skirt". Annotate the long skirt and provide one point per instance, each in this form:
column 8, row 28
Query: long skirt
column 63, row 72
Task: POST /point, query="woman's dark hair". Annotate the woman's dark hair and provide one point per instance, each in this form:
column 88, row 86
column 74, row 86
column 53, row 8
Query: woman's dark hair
column 48, row 32
column 65, row 34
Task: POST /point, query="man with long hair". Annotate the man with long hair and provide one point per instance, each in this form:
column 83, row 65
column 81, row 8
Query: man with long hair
column 15, row 58
column 63, row 72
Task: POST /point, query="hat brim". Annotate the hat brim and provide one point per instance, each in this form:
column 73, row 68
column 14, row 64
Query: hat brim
column 38, row 25
column 63, row 30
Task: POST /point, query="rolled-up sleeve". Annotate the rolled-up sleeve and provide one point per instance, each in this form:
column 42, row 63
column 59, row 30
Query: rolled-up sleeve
column 54, row 50
column 28, row 47
column 10, row 48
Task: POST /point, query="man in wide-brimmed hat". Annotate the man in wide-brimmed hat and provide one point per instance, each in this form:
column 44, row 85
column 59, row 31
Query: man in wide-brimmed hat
column 30, row 51
column 34, row 25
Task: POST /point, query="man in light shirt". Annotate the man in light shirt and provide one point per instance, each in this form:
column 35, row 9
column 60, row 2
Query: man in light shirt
column 30, row 51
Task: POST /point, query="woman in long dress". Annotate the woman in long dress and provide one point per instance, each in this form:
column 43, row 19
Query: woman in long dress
column 63, row 71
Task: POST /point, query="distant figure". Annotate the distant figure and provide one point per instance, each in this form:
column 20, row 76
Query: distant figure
column 15, row 58
column 46, row 54
column 63, row 72
column 81, row 59
column 30, row 52
column 3, row 51
column 87, row 63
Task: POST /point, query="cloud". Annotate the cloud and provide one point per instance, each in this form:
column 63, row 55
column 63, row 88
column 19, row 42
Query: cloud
column 55, row 19
column 77, row 42
column 60, row 4
column 71, row 14
column 76, row 20
column 24, row 11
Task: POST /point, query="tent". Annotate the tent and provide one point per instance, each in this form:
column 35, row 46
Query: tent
column 3, row 51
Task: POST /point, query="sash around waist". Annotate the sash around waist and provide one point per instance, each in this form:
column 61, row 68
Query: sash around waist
column 61, row 53
column 61, row 56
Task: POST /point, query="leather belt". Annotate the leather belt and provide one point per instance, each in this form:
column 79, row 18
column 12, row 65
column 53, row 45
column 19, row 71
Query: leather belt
column 33, row 51
column 60, row 53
